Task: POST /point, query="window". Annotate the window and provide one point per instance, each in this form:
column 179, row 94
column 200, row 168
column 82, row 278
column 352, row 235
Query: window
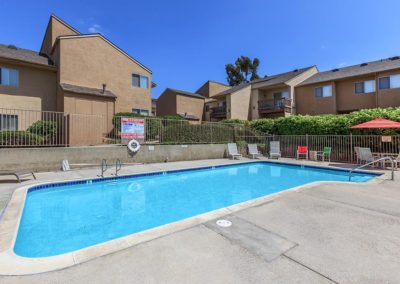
column 9, row 77
column 395, row 81
column 365, row 87
column 8, row 122
column 389, row 82
column 140, row 111
column 281, row 95
column 140, row 81
column 325, row 91
column 207, row 108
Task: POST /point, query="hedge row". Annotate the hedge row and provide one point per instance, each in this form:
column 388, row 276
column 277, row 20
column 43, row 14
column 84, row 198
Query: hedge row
column 327, row 124
column 197, row 133
column 37, row 134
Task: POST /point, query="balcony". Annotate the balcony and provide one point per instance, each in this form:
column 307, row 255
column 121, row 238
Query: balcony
column 274, row 106
column 218, row 112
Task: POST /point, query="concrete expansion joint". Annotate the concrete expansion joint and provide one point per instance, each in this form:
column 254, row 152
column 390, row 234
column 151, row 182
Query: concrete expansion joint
column 355, row 207
column 309, row 268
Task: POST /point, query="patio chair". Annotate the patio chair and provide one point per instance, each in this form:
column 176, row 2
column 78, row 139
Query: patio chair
column 396, row 161
column 302, row 150
column 357, row 151
column 233, row 151
column 325, row 154
column 253, row 151
column 18, row 174
column 274, row 150
column 366, row 155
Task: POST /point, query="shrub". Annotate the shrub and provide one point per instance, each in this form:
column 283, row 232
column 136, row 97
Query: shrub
column 197, row 133
column 43, row 128
column 15, row 138
column 326, row 124
column 265, row 125
column 235, row 121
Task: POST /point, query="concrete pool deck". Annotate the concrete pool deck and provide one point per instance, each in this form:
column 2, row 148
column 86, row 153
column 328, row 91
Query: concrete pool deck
column 327, row 233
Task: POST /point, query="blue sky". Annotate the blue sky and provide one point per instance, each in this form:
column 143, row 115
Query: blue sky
column 186, row 42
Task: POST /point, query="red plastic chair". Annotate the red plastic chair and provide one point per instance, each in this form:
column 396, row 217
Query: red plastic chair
column 302, row 150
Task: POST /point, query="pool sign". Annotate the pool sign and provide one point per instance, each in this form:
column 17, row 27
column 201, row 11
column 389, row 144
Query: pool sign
column 132, row 128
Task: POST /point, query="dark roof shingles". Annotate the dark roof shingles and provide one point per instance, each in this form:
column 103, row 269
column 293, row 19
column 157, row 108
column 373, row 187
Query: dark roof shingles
column 186, row 93
column 353, row 71
column 268, row 81
column 87, row 91
column 30, row 56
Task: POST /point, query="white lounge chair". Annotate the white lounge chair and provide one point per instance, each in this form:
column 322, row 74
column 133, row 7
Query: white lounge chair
column 233, row 151
column 397, row 161
column 18, row 174
column 253, row 151
column 366, row 155
column 274, row 150
column 357, row 151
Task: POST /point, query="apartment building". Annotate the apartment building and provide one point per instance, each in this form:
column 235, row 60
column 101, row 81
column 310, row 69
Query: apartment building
column 153, row 107
column 342, row 90
column 211, row 88
column 73, row 73
column 181, row 103
column 269, row 97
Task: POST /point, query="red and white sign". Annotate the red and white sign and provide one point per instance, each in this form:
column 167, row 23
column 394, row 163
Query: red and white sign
column 132, row 128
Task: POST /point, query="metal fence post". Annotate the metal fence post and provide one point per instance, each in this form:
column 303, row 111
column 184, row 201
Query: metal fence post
column 307, row 141
column 351, row 148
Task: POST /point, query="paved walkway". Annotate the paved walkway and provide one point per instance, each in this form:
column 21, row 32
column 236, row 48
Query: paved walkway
column 325, row 234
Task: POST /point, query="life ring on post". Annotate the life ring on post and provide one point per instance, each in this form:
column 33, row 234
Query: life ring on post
column 133, row 146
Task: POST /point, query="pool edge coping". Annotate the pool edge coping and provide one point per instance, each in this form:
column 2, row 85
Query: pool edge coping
column 12, row 264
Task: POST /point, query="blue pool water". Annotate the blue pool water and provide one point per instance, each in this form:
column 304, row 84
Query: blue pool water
column 64, row 218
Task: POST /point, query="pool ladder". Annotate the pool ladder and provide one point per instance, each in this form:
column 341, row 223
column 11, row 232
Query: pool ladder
column 373, row 162
column 104, row 167
column 118, row 166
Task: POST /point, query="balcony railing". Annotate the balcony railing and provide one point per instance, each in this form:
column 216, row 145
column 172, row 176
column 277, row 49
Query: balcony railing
column 218, row 112
column 274, row 106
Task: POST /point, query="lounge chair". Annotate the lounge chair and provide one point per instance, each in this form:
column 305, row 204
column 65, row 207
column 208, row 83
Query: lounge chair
column 253, row 151
column 325, row 154
column 397, row 161
column 233, row 151
column 18, row 174
column 366, row 155
column 357, row 151
column 302, row 150
column 274, row 150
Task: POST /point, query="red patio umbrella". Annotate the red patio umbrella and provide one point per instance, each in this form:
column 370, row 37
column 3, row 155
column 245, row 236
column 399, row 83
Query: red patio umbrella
column 377, row 123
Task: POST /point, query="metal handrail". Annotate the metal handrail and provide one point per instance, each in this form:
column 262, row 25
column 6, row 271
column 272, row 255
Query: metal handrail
column 104, row 167
column 118, row 166
column 373, row 162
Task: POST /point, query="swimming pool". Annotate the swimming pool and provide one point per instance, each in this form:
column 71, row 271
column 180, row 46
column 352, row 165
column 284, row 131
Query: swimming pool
column 66, row 217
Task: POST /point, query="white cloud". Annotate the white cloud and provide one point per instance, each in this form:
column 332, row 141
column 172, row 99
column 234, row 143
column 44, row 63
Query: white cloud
column 341, row 64
column 95, row 28
column 323, row 46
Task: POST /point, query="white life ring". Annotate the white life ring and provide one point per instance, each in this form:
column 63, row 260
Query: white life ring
column 133, row 146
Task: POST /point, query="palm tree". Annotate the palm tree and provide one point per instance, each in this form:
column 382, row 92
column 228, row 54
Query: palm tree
column 239, row 73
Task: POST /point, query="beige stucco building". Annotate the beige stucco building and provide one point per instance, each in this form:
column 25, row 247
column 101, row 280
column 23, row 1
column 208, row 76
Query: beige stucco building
column 268, row 97
column 342, row 90
column 73, row 73
column 180, row 103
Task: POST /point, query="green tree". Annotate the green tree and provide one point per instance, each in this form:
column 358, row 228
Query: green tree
column 240, row 72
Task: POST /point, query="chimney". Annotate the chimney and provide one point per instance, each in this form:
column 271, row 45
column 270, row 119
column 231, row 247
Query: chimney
column 104, row 88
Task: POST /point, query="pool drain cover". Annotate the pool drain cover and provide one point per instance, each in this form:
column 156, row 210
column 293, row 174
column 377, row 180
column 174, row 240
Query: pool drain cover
column 224, row 223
